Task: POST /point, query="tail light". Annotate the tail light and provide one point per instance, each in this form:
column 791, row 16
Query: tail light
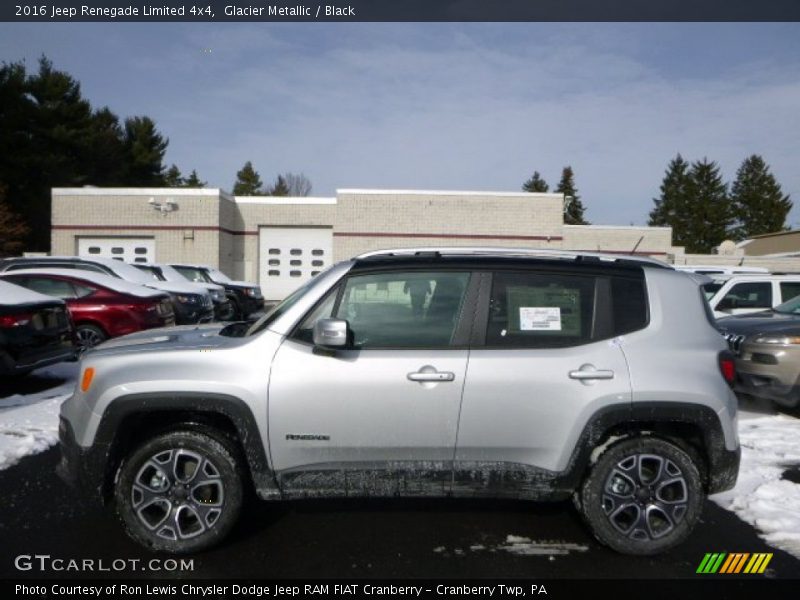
column 727, row 366
column 17, row 320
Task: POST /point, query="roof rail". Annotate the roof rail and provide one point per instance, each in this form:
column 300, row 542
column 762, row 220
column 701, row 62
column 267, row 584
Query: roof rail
column 435, row 251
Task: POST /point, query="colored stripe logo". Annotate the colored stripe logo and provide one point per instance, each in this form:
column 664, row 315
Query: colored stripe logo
column 734, row 563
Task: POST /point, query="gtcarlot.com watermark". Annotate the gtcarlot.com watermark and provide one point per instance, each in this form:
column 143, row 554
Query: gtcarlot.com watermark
column 46, row 562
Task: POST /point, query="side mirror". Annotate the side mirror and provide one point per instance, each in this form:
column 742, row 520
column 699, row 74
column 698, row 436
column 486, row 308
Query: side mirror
column 331, row 333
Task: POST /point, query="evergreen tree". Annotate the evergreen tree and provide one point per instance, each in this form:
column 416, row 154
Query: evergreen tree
column 145, row 149
column 535, row 184
column 248, row 182
column 193, row 181
column 709, row 215
column 673, row 207
column 173, row 177
column 280, row 188
column 573, row 209
column 758, row 202
column 13, row 230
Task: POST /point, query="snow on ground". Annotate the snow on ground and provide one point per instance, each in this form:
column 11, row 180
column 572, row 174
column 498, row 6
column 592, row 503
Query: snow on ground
column 29, row 422
column 770, row 447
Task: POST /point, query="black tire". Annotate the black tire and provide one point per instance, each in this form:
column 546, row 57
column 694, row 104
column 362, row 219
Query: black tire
column 643, row 496
column 89, row 336
column 237, row 314
column 182, row 516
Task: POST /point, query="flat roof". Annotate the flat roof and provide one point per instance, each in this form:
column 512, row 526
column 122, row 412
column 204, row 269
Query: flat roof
column 134, row 191
column 446, row 193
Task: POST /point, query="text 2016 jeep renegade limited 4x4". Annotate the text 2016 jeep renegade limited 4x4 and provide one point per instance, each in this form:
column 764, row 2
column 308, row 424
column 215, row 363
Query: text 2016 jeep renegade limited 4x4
column 435, row 372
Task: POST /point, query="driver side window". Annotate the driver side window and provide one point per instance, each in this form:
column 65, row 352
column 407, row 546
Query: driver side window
column 395, row 310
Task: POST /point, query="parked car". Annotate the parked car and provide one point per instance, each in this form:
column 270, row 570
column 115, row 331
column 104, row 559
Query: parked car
column 593, row 377
column 767, row 349
column 223, row 309
column 190, row 302
column 101, row 306
column 743, row 294
column 35, row 331
column 245, row 297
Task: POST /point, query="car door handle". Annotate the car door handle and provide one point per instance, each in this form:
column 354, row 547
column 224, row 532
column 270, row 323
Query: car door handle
column 431, row 376
column 589, row 375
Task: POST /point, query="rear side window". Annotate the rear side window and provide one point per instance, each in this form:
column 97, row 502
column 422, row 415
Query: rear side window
column 756, row 294
column 58, row 288
column 540, row 310
column 628, row 305
column 789, row 289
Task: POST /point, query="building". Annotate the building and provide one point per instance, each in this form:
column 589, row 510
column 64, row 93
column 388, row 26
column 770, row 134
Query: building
column 282, row 242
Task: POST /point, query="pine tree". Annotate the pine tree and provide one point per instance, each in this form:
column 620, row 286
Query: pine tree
column 173, row 177
column 573, row 209
column 280, row 188
column 535, row 184
column 758, row 202
column 13, row 229
column 248, row 182
column 193, row 181
column 671, row 206
column 145, row 148
column 710, row 214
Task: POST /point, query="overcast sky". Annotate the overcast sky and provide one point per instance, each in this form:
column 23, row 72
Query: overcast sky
column 447, row 106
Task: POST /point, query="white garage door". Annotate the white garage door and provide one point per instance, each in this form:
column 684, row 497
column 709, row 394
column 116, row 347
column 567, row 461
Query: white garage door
column 125, row 249
column 290, row 256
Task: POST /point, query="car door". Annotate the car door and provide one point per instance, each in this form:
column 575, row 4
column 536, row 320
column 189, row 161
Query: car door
column 545, row 362
column 379, row 417
column 746, row 297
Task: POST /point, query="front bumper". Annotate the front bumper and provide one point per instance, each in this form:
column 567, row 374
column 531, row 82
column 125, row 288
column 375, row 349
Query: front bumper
column 83, row 469
column 223, row 310
column 186, row 314
column 770, row 372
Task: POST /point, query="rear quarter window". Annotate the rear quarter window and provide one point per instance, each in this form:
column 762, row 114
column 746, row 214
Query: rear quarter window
column 629, row 305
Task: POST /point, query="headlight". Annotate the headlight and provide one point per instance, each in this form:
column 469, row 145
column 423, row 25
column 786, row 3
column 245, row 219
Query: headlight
column 189, row 299
column 781, row 340
column 217, row 296
column 250, row 291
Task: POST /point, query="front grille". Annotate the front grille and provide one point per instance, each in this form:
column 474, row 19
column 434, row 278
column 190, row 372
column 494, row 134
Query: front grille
column 207, row 300
column 734, row 342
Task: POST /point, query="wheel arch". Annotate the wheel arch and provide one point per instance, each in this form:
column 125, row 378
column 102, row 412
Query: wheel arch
column 130, row 420
column 692, row 427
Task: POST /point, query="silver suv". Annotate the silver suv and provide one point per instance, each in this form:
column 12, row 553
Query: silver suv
column 428, row 372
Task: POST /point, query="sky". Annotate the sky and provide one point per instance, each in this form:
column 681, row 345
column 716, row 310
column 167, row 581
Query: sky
column 447, row 106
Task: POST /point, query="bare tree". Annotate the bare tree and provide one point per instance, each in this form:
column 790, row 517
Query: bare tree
column 298, row 184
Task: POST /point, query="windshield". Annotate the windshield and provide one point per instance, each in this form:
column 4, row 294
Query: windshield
column 709, row 289
column 193, row 274
column 276, row 312
column 218, row 276
column 171, row 274
column 153, row 271
column 792, row 307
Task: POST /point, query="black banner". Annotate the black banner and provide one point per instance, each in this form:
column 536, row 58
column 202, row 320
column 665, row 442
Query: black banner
column 720, row 588
column 399, row 10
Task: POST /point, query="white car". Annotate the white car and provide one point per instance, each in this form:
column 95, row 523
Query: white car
column 742, row 294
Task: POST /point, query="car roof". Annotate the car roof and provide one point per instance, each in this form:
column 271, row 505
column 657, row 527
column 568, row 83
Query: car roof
column 116, row 284
column 521, row 254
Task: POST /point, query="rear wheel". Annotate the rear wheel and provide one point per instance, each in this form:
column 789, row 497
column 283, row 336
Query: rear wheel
column 180, row 492
column 89, row 336
column 643, row 496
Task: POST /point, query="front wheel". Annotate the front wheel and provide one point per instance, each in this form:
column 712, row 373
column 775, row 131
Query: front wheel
column 180, row 492
column 643, row 496
column 89, row 336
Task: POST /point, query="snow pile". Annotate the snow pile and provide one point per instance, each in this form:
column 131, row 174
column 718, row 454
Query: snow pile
column 29, row 422
column 770, row 446
column 522, row 546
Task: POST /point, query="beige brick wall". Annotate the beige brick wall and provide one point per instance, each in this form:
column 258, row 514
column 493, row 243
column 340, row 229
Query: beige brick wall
column 465, row 214
column 656, row 241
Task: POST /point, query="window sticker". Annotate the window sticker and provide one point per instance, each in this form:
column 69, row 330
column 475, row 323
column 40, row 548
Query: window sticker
column 540, row 318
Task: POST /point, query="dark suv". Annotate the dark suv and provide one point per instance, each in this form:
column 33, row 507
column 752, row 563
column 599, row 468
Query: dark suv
column 456, row 372
column 245, row 297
